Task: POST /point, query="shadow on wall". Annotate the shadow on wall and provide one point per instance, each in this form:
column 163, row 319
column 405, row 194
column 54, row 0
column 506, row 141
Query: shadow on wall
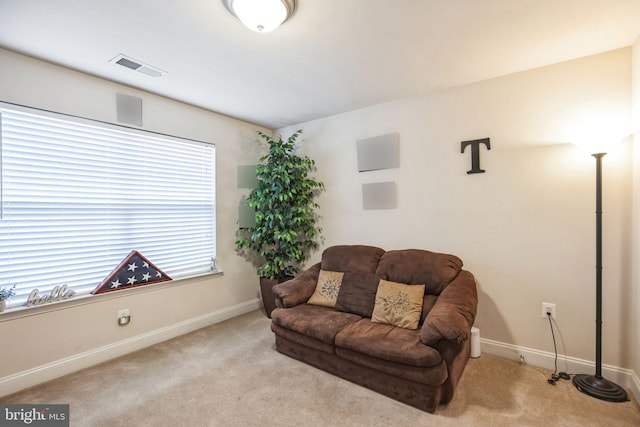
column 488, row 319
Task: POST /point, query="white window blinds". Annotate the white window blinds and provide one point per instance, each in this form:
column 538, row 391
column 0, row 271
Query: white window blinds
column 78, row 196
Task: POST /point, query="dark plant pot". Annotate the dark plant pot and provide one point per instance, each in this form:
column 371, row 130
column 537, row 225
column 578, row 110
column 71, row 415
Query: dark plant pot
column 266, row 290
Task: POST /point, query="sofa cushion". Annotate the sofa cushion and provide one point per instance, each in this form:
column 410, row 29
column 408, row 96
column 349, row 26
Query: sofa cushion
column 327, row 288
column 416, row 266
column 314, row 321
column 388, row 343
column 358, row 293
column 398, row 304
column 309, row 343
column 434, row 375
column 352, row 258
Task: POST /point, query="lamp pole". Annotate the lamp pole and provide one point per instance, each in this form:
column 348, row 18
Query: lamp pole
column 595, row 385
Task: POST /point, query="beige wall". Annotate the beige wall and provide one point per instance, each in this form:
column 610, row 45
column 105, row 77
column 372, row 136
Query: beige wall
column 525, row 228
column 33, row 340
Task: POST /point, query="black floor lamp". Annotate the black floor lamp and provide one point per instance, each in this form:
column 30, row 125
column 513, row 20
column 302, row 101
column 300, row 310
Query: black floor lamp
column 596, row 385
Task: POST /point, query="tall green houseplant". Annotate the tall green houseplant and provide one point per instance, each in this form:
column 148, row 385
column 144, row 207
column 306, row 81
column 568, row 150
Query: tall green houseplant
column 284, row 206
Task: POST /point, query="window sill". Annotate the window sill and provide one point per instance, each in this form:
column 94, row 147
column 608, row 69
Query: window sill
column 24, row 311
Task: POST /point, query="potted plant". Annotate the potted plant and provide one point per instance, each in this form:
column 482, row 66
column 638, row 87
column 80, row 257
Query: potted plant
column 5, row 294
column 285, row 228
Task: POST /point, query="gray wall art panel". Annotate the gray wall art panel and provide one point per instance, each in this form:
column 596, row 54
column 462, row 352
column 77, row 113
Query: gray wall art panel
column 379, row 152
column 247, row 177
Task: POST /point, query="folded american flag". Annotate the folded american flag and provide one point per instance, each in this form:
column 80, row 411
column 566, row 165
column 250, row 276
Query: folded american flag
column 134, row 270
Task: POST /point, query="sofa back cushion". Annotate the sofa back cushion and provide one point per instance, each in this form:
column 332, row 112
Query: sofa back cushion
column 416, row 267
column 351, row 258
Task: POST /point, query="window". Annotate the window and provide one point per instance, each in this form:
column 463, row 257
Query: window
column 77, row 196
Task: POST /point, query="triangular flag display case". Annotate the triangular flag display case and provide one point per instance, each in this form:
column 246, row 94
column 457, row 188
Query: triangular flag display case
column 135, row 270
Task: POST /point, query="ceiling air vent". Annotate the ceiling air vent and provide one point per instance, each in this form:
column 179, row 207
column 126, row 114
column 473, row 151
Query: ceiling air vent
column 134, row 64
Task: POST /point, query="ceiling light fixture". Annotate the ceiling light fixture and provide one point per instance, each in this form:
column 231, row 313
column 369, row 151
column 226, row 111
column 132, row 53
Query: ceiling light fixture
column 261, row 15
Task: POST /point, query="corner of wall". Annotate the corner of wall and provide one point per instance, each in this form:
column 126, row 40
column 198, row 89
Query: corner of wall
column 635, row 111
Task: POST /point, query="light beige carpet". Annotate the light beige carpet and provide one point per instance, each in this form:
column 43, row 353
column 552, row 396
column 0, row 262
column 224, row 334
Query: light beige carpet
column 230, row 375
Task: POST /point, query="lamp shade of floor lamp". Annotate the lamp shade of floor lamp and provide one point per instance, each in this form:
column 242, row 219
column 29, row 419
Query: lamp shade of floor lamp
column 595, row 385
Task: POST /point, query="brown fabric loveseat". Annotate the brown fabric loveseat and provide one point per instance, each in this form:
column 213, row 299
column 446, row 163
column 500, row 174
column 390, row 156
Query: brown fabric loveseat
column 340, row 315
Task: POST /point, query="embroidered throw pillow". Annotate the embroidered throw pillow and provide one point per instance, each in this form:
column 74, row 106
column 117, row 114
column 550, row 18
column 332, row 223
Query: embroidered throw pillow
column 398, row 304
column 327, row 288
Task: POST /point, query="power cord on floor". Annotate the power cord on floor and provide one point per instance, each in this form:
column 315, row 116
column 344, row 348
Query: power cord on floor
column 555, row 376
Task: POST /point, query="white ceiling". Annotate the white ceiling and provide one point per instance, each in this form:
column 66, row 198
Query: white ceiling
column 332, row 56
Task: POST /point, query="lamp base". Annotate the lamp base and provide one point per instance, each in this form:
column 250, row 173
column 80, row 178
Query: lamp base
column 600, row 388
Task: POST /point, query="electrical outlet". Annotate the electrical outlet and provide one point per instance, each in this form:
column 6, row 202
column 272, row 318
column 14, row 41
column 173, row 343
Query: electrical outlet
column 123, row 317
column 548, row 307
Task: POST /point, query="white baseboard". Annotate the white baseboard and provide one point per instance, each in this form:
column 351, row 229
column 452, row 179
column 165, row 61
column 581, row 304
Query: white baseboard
column 623, row 377
column 58, row 368
column 16, row 382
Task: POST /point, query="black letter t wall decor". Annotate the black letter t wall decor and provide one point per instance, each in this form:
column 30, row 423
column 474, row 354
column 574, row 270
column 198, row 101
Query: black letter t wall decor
column 475, row 153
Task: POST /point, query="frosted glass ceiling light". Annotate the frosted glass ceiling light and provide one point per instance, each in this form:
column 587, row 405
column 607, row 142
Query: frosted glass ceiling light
column 261, row 15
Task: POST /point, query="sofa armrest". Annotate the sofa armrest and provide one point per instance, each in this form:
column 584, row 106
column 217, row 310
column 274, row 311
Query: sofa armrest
column 297, row 290
column 453, row 313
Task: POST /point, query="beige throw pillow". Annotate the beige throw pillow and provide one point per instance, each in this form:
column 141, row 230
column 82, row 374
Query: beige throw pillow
column 327, row 288
column 398, row 304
